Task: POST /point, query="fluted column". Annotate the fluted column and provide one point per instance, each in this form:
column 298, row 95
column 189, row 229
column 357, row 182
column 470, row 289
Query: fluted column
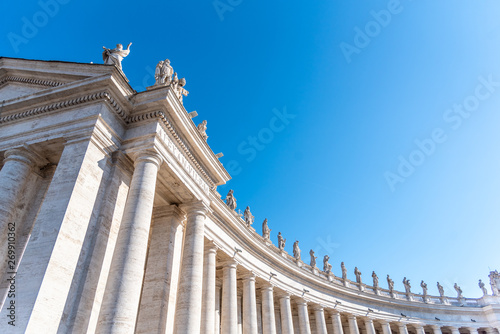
column 472, row 330
column 209, row 276
column 386, row 327
column 229, row 316
column 402, row 328
column 14, row 175
column 189, row 294
column 319, row 314
column 123, row 290
column 337, row 322
column 286, row 314
column 353, row 325
column 370, row 328
column 268, row 320
column 249, row 304
column 305, row 327
column 419, row 328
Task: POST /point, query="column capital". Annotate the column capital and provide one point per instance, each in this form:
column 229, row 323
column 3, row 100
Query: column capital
column 368, row 320
column 148, row 155
column 266, row 285
column 401, row 324
column 250, row 275
column 383, row 321
column 318, row 307
column 197, row 208
column 170, row 211
column 283, row 295
column 25, row 155
column 351, row 316
column 211, row 246
column 229, row 263
column 472, row 329
column 301, row 301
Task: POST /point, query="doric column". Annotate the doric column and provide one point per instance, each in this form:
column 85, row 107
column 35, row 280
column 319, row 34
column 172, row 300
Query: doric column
column 259, row 315
column 123, row 289
column 159, row 292
column 268, row 320
column 18, row 165
column 319, row 314
column 229, row 316
column 419, row 328
column 353, row 324
column 370, row 328
column 305, row 327
column 218, row 292
column 249, row 304
column 286, row 314
column 337, row 322
column 209, row 276
column 402, row 328
column 472, row 330
column 189, row 293
column 386, row 327
column 454, row 330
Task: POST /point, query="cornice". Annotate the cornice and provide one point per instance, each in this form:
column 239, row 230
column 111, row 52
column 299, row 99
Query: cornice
column 30, row 81
column 104, row 95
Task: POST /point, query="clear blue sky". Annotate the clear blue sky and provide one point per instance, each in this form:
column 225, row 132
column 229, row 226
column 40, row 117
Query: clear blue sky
column 361, row 82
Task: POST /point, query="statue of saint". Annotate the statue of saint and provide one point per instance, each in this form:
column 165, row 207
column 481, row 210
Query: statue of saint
column 358, row 275
column 178, row 86
column 266, row 231
column 344, row 271
column 202, row 128
column 495, row 282
column 424, row 288
column 230, row 200
column 483, row 288
column 459, row 291
column 313, row 258
column 116, row 55
column 248, row 217
column 296, row 250
column 407, row 285
column 281, row 242
column 163, row 73
column 375, row 280
column 327, row 267
column 440, row 289
column 390, row 283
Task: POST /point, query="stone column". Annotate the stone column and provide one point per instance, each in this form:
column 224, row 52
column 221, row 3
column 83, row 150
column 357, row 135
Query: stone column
column 402, row 328
column 472, row 330
column 319, row 314
column 353, row 325
column 286, row 314
column 370, row 328
column 229, row 316
column 268, row 320
column 337, row 322
column 218, row 291
column 123, row 289
column 386, row 327
column 436, row 329
column 249, row 304
column 209, row 276
column 454, row 330
column 18, row 165
column 159, row 292
column 305, row 327
column 419, row 328
column 259, row 315
column 189, row 293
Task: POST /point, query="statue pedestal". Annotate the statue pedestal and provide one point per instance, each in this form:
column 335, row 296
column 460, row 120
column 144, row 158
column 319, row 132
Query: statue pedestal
column 487, row 300
column 299, row 263
column 315, row 271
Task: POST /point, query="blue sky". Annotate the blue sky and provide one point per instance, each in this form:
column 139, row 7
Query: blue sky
column 366, row 130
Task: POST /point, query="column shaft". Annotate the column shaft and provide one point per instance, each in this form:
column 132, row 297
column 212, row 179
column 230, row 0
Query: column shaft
column 319, row 314
column 249, row 305
column 304, row 325
column 353, row 325
column 286, row 315
column 229, row 316
column 386, row 327
column 208, row 307
column 189, row 293
column 337, row 323
column 370, row 328
column 218, row 290
column 419, row 329
column 268, row 320
column 123, row 289
column 402, row 328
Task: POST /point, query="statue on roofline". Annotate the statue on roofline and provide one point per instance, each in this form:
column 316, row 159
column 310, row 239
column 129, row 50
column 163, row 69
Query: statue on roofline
column 116, row 55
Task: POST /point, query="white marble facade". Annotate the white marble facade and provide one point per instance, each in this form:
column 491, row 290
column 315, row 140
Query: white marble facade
column 111, row 223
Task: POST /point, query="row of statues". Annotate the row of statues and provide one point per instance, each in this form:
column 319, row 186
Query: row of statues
column 327, row 267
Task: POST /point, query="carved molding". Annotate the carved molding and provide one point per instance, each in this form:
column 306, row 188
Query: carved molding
column 31, row 81
column 68, row 103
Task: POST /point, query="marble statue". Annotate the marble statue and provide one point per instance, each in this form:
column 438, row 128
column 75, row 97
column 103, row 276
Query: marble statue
column 344, row 271
column 358, row 275
column 495, row 282
column 483, row 288
column 202, row 128
column 296, row 250
column 424, row 288
column 163, row 73
column 116, row 55
column 281, row 242
column 327, row 267
column 375, row 280
column 249, row 218
column 230, row 200
column 407, row 285
column 458, row 290
column 178, row 86
column 440, row 289
column 266, row 231
column 313, row 258
column 390, row 283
